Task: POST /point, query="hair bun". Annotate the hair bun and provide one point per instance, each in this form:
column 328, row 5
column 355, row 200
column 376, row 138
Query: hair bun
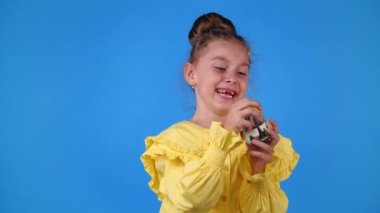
column 210, row 22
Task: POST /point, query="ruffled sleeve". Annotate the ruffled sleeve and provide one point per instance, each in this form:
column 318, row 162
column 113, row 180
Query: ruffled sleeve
column 261, row 192
column 159, row 149
column 189, row 180
column 284, row 160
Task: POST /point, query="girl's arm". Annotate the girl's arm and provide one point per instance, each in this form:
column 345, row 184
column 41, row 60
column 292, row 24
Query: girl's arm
column 195, row 183
column 261, row 192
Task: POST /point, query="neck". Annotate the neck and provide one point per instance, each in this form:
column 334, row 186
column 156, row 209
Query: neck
column 204, row 119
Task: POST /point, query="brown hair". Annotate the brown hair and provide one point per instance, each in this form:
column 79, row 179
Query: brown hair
column 209, row 27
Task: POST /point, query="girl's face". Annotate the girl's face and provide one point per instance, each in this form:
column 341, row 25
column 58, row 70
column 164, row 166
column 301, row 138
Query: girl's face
column 220, row 76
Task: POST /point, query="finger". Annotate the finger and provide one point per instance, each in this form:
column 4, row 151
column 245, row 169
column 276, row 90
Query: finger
column 260, row 155
column 274, row 125
column 246, row 125
column 244, row 103
column 253, row 148
column 256, row 103
column 274, row 137
column 252, row 112
column 263, row 146
column 258, row 114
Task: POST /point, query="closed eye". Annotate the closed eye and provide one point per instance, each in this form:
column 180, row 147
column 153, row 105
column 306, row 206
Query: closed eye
column 242, row 73
column 222, row 69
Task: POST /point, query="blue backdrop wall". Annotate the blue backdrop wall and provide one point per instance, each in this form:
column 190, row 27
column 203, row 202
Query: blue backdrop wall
column 82, row 83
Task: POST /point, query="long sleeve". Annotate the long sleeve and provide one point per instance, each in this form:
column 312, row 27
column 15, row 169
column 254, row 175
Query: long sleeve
column 190, row 181
column 261, row 192
column 197, row 185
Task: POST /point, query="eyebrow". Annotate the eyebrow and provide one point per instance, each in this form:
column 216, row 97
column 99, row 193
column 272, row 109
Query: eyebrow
column 224, row 59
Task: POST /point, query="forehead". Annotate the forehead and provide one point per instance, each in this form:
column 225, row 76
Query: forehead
column 232, row 50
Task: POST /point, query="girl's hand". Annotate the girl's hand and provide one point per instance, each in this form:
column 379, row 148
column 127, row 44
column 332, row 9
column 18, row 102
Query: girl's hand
column 236, row 119
column 260, row 152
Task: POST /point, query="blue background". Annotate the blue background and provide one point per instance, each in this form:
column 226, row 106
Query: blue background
column 82, row 83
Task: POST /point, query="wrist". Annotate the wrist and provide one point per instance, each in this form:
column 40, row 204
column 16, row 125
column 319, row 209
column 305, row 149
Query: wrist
column 229, row 128
column 258, row 169
column 256, row 166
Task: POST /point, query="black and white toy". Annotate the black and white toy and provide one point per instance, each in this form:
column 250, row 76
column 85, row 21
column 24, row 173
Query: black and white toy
column 259, row 132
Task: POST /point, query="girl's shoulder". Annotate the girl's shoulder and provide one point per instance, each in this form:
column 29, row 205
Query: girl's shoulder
column 182, row 137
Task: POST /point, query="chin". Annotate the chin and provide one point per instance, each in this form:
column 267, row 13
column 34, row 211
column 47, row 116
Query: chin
column 223, row 110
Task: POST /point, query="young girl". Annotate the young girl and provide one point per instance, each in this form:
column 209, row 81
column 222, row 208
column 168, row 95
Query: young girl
column 204, row 164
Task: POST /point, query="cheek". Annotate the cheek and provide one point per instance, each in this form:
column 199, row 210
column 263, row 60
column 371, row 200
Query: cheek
column 213, row 80
column 243, row 87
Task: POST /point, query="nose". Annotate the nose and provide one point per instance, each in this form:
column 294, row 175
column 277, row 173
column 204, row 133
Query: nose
column 230, row 78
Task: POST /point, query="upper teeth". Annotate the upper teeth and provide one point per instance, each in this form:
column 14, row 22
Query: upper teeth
column 232, row 93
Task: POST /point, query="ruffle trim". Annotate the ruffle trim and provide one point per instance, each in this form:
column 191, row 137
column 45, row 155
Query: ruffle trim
column 270, row 200
column 262, row 181
column 283, row 162
column 156, row 148
column 281, row 169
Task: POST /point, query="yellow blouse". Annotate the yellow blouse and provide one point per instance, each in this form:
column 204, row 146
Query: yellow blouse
column 208, row 170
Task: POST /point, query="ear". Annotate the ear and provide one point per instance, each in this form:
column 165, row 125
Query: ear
column 189, row 74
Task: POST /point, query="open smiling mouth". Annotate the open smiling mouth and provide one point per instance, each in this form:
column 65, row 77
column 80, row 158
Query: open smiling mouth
column 226, row 93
